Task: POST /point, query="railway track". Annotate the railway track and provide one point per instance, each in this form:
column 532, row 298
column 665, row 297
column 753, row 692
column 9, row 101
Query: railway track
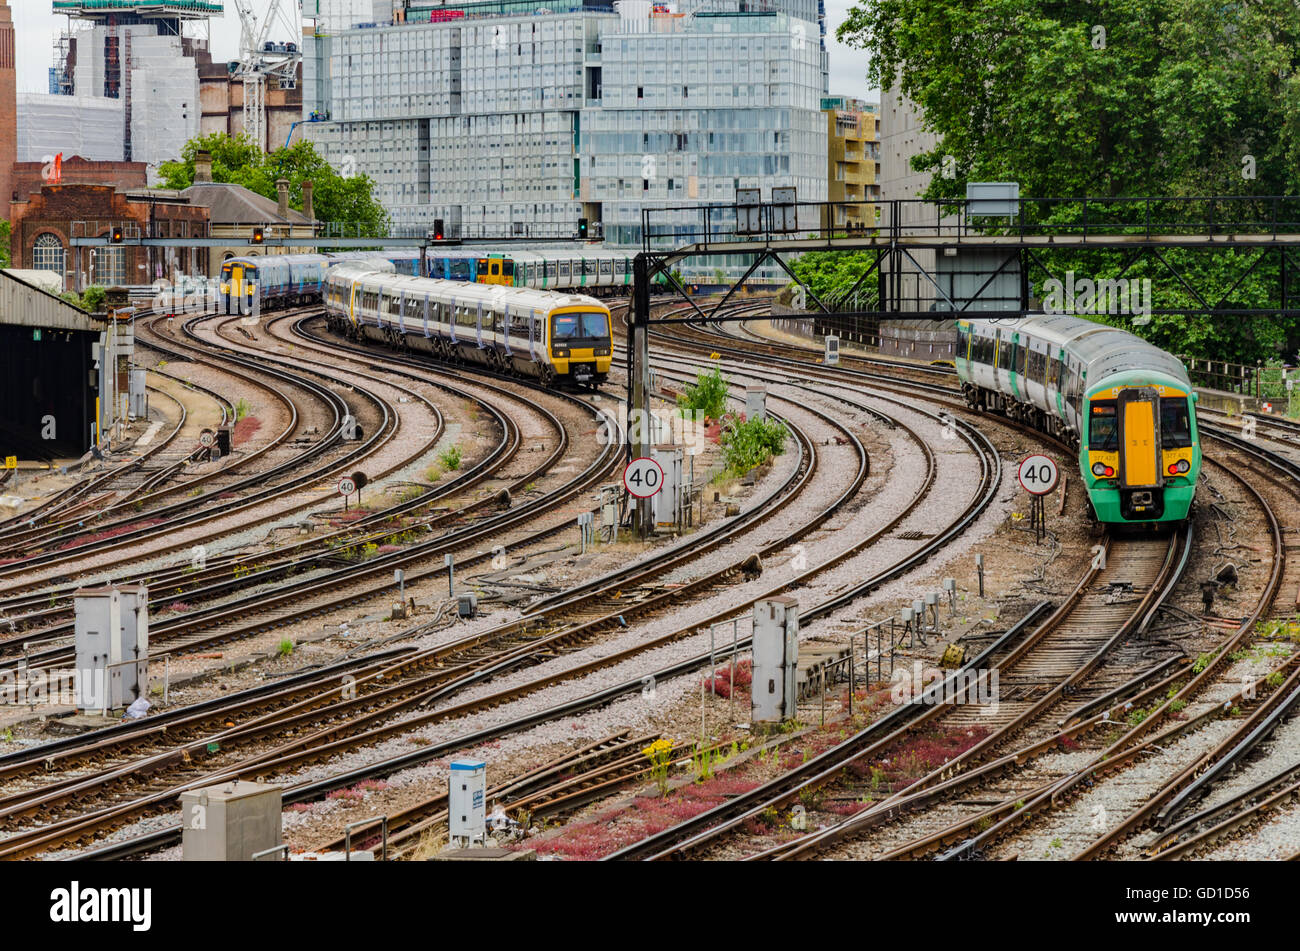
column 571, row 604
column 990, row 471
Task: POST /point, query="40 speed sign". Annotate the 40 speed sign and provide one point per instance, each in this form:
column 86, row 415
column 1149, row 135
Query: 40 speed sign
column 643, row 477
column 1037, row 474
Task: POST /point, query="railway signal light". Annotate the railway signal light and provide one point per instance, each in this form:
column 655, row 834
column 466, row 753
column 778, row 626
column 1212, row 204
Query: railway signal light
column 117, row 236
column 259, row 236
column 439, row 232
column 582, row 228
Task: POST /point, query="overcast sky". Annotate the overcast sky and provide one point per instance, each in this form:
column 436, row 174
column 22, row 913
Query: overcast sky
column 37, row 29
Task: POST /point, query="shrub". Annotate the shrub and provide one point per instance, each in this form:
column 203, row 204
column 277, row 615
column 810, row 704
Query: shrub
column 708, row 394
column 450, row 458
column 749, row 444
column 285, row 648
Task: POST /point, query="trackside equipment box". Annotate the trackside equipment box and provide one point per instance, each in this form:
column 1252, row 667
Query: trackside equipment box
column 467, row 799
column 229, row 822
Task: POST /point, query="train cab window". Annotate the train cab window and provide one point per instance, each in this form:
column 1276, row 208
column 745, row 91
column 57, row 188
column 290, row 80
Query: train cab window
column 459, row 271
column 579, row 326
column 1175, row 423
column 435, row 269
column 1103, row 426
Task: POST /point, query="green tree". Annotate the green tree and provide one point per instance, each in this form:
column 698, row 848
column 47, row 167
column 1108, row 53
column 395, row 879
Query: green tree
column 1111, row 98
column 832, row 274
column 5, row 233
column 238, row 160
column 90, row 300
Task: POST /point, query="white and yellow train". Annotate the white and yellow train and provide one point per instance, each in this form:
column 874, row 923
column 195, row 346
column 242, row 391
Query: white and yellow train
column 552, row 337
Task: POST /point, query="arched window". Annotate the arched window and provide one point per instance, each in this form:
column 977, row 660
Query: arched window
column 48, row 254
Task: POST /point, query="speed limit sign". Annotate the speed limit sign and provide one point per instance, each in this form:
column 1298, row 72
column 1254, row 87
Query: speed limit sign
column 1037, row 474
column 207, row 439
column 643, row 477
column 347, row 485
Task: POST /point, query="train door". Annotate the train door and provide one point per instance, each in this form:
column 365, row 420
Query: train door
column 478, row 325
column 1139, row 437
column 532, row 336
column 426, row 316
column 505, row 332
column 236, row 286
column 1013, row 363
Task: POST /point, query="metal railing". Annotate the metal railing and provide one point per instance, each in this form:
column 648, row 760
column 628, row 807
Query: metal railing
column 1146, row 217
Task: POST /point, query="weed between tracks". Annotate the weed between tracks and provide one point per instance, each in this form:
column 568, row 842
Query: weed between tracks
column 712, row 778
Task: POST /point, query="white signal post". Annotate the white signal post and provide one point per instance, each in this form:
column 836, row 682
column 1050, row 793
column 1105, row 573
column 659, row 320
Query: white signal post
column 1038, row 475
column 643, row 478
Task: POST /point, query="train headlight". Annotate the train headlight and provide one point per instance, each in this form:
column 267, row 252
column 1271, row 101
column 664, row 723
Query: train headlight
column 1183, row 465
column 1099, row 469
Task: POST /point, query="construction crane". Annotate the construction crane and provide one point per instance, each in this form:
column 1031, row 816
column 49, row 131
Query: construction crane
column 262, row 59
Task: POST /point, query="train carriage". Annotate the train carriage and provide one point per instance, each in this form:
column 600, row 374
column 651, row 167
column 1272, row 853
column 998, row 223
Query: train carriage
column 1126, row 406
column 556, row 338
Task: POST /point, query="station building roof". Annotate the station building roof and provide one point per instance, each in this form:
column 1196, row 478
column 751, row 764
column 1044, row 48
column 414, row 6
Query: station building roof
column 235, row 204
column 24, row 304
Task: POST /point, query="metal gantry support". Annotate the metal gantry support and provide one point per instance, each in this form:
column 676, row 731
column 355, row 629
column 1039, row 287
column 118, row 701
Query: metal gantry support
column 638, row 363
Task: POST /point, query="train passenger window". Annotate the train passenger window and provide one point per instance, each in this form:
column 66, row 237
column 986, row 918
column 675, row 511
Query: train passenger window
column 550, row 270
column 507, row 268
column 588, row 267
column 564, row 270
column 606, row 268
column 1175, row 423
column 1037, row 366
column 1103, row 426
column 1004, row 354
column 1053, row 373
column 1023, row 360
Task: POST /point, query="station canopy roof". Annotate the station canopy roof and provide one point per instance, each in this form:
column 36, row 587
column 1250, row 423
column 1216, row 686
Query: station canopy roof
column 24, row 304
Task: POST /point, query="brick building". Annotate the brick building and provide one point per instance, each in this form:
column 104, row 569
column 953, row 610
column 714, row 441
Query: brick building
column 29, row 177
column 8, row 102
column 46, row 221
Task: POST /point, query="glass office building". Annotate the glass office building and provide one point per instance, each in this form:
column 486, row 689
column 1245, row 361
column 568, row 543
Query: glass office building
column 523, row 116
